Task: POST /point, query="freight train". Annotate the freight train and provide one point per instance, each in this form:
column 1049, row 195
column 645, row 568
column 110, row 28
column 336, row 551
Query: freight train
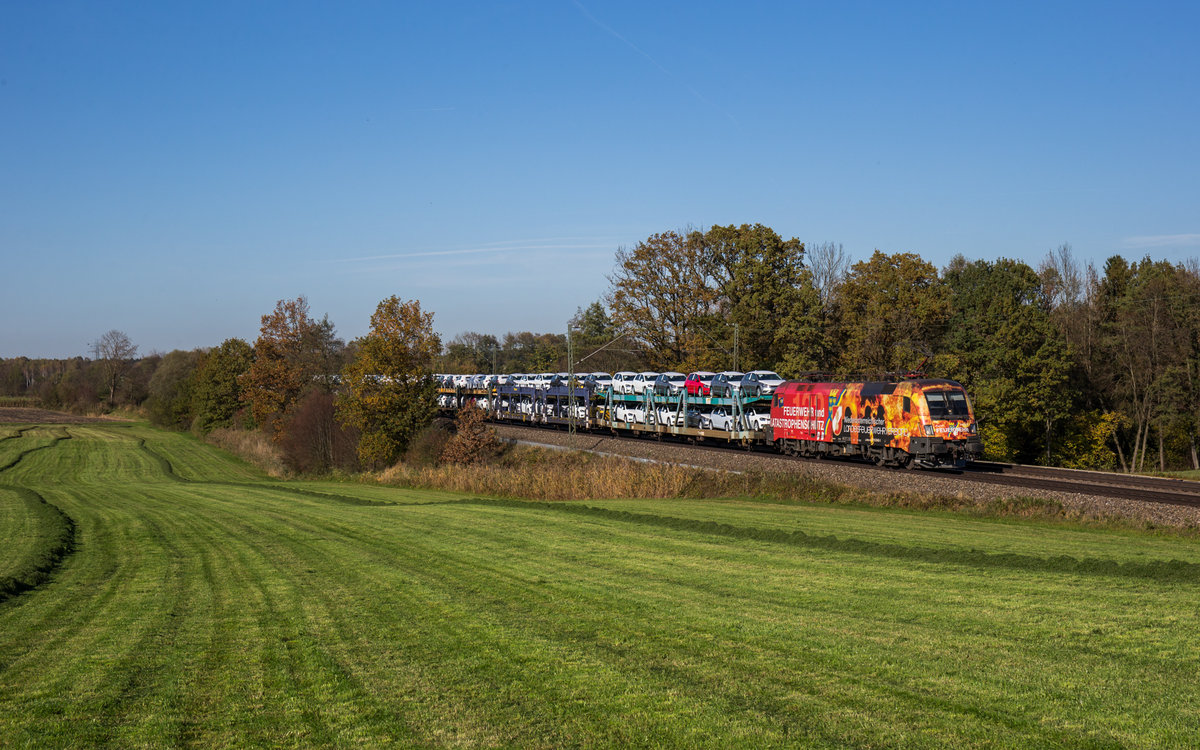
column 899, row 422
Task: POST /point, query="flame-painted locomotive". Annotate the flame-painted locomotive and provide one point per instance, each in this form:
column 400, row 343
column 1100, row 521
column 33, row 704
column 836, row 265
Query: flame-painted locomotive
column 919, row 422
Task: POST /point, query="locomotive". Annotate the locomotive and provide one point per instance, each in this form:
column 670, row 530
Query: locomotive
column 919, row 422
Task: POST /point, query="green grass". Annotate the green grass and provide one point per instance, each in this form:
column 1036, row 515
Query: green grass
column 205, row 605
column 37, row 536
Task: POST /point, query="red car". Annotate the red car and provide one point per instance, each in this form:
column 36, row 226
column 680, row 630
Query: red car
column 699, row 383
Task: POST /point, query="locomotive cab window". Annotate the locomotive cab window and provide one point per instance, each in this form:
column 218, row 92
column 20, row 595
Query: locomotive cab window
column 958, row 404
column 947, row 404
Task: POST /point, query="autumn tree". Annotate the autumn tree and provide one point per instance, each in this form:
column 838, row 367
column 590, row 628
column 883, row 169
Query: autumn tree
column 663, row 291
column 718, row 298
column 293, row 353
column 474, row 440
column 115, row 353
column 830, row 265
column 314, row 441
column 471, row 352
column 389, row 392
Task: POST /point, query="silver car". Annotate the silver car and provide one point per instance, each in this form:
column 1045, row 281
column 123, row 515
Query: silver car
column 760, row 383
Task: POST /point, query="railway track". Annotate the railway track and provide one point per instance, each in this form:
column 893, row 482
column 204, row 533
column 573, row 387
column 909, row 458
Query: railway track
column 1103, row 484
column 1178, row 492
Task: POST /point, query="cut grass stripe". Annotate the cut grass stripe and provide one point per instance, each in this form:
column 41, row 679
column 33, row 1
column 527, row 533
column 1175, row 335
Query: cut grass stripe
column 1158, row 570
column 17, row 459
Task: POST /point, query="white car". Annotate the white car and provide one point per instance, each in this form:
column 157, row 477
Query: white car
column 717, row 419
column 630, row 414
column 641, row 382
column 622, row 381
column 672, row 418
column 759, row 420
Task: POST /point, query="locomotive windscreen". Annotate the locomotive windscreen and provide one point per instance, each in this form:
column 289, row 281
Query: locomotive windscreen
column 947, row 404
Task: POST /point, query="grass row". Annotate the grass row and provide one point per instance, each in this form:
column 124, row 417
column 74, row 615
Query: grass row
column 37, row 536
column 205, row 605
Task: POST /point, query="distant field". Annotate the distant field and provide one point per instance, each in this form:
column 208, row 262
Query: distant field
column 204, row 605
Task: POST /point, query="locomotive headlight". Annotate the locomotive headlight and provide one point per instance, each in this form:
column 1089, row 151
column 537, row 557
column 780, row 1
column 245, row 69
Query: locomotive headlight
column 971, row 429
column 929, row 430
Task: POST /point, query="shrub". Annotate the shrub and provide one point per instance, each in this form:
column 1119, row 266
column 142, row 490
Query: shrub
column 474, row 440
column 253, row 447
column 312, row 440
column 427, row 447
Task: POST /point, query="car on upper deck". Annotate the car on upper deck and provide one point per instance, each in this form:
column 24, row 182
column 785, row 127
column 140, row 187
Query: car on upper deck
column 726, row 384
column 699, row 383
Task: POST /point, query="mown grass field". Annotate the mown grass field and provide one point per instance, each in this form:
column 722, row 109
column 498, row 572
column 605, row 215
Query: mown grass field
column 204, row 605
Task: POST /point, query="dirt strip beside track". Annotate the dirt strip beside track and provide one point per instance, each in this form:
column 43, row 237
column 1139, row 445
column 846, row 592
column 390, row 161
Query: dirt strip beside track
column 850, row 473
column 23, row 415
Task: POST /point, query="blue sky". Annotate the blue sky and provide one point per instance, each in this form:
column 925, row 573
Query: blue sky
column 173, row 169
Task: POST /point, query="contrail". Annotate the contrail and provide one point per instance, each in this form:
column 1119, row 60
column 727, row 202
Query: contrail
column 495, row 247
column 587, row 14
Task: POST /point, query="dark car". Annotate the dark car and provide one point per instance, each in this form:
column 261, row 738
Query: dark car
column 725, row 384
column 669, row 383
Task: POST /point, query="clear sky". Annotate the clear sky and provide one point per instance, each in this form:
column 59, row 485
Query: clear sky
column 172, row 169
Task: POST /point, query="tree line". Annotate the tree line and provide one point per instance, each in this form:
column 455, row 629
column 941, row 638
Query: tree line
column 1066, row 364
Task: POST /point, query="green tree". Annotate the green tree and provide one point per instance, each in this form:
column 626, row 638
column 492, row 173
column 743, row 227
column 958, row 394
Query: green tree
column 894, row 310
column 389, row 392
column 1147, row 355
column 596, row 341
column 217, row 393
column 767, row 301
column 533, row 352
column 172, row 387
column 1008, row 354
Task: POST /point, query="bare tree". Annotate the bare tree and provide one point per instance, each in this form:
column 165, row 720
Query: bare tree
column 1062, row 279
column 114, row 351
column 829, row 264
